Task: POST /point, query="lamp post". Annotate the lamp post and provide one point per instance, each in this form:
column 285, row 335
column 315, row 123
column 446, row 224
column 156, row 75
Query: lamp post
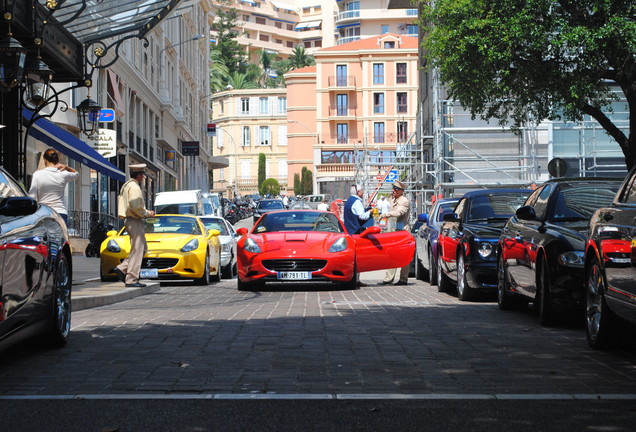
column 161, row 51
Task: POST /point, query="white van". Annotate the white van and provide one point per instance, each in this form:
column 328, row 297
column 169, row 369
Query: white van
column 212, row 204
column 179, row 202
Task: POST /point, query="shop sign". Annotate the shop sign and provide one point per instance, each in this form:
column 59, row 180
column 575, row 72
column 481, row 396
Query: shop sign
column 104, row 142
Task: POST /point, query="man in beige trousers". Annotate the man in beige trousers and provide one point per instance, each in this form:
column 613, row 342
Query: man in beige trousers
column 132, row 209
column 399, row 209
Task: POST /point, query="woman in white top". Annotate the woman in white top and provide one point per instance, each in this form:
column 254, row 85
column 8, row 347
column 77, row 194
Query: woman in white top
column 47, row 185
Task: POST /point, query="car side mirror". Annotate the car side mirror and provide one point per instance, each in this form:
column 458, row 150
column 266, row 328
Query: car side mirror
column 241, row 231
column 451, row 217
column 18, row 206
column 111, row 233
column 371, row 230
column 526, row 213
column 422, row 217
column 213, row 233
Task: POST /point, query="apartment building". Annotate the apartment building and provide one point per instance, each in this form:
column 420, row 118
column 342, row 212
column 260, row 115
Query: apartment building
column 249, row 122
column 365, row 109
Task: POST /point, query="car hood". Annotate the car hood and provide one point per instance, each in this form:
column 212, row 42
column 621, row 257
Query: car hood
column 480, row 230
column 169, row 242
column 298, row 240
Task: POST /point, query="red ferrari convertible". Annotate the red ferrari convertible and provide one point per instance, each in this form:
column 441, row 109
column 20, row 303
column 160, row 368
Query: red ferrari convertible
column 312, row 245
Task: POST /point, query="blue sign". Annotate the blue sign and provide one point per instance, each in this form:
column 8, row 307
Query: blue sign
column 392, row 176
column 107, row 115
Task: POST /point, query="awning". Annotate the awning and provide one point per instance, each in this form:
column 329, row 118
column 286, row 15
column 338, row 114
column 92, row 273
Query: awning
column 308, row 24
column 283, row 6
column 348, row 25
column 67, row 143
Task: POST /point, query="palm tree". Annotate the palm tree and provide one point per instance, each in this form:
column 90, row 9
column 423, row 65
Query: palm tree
column 240, row 80
column 218, row 72
column 300, row 58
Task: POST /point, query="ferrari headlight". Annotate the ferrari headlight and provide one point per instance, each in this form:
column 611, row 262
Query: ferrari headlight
column 191, row 245
column 113, row 246
column 572, row 259
column 251, row 246
column 339, row 245
column 484, row 249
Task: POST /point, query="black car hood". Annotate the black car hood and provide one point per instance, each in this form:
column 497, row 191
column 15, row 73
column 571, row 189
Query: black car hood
column 483, row 230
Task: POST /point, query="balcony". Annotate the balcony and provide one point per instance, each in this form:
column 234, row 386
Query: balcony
column 344, row 40
column 346, row 16
column 341, row 82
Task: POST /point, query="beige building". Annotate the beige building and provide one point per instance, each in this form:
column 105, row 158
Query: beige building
column 248, row 123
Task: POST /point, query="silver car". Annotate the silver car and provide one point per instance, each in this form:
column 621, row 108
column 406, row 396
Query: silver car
column 228, row 239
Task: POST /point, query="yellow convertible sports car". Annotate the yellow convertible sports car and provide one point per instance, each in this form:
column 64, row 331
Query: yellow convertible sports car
column 179, row 247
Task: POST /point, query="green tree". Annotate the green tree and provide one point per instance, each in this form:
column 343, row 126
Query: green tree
column 270, row 187
column 239, row 80
column 218, row 72
column 306, row 181
column 526, row 61
column 299, row 58
column 232, row 54
column 297, row 189
column 261, row 171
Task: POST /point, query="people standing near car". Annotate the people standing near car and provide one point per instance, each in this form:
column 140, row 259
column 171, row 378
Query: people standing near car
column 399, row 209
column 132, row 208
column 383, row 205
column 323, row 205
column 48, row 184
column 354, row 215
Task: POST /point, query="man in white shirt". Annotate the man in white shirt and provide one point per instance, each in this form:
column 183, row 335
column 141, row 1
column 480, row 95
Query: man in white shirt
column 383, row 205
column 48, row 184
column 323, row 206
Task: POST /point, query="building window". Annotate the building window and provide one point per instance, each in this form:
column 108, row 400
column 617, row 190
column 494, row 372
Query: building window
column 262, row 104
column 264, row 38
column 341, row 75
column 245, row 105
column 384, row 28
column 400, row 73
column 342, row 104
column 378, row 103
column 290, row 44
column 290, row 27
column 246, row 136
column 378, row 132
column 343, row 133
column 278, row 24
column 402, row 131
column 378, row 73
column 389, row 44
column 412, row 30
column 402, row 102
column 282, row 105
column 260, row 20
column 264, row 135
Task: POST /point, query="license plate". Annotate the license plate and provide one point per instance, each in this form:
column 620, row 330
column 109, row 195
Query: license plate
column 149, row 273
column 294, row 275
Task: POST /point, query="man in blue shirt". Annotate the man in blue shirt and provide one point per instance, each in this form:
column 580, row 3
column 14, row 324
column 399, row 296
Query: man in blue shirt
column 354, row 214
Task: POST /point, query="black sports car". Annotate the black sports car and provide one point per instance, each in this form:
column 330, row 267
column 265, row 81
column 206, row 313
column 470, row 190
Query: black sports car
column 468, row 239
column 36, row 268
column 542, row 246
column 610, row 267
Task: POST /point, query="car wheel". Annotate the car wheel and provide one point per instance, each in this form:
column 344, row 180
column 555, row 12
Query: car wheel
column 61, row 303
column 600, row 322
column 464, row 291
column 217, row 276
column 544, row 301
column 228, row 271
column 505, row 299
column 432, row 268
column 352, row 283
column 205, row 279
column 443, row 283
column 420, row 273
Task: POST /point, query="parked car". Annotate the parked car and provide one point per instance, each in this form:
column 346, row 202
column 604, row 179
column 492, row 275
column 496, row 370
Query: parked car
column 541, row 247
column 179, row 247
column 468, row 239
column 312, row 245
column 267, row 205
column 610, row 268
column 228, row 239
column 426, row 239
column 35, row 294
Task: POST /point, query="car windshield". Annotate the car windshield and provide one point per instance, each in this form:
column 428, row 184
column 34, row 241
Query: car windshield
column 299, row 221
column 171, row 225
column 216, row 224
column 270, row 205
column 495, row 206
column 579, row 202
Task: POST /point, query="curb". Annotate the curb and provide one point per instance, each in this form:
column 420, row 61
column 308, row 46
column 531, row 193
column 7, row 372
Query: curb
column 105, row 294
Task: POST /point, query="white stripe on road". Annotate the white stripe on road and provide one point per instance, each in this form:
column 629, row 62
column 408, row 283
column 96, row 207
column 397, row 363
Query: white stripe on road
column 327, row 396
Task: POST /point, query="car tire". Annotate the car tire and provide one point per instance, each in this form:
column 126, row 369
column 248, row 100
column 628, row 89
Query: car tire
column 432, row 268
column 352, row 283
column 505, row 299
column 443, row 283
column 420, row 273
column 600, row 322
column 205, row 279
column 216, row 277
column 543, row 299
column 61, row 328
column 228, row 271
column 464, row 291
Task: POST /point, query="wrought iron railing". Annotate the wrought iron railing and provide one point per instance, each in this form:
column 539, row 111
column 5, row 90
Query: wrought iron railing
column 80, row 223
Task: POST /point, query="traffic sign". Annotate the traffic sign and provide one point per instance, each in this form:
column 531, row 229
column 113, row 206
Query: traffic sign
column 392, row 176
column 106, row 115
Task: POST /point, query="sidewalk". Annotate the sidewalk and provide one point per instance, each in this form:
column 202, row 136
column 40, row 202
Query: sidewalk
column 89, row 291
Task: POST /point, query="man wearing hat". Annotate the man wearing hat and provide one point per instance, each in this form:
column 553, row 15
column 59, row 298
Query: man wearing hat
column 399, row 209
column 354, row 215
column 132, row 209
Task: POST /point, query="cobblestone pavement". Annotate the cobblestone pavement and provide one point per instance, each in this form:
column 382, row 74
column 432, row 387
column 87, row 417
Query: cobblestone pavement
column 314, row 339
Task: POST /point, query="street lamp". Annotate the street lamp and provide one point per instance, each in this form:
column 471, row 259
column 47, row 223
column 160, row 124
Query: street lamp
column 88, row 115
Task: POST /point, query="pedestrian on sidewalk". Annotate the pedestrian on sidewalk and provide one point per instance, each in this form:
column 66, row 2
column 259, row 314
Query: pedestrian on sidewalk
column 48, row 184
column 399, row 209
column 132, row 208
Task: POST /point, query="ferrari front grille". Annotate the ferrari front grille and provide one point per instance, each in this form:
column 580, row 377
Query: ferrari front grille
column 294, row 265
column 159, row 263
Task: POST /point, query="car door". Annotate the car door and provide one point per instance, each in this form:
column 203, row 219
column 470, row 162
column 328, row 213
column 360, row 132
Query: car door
column 383, row 250
column 450, row 235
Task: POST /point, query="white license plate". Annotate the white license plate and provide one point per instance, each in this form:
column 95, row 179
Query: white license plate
column 294, row 275
column 149, row 273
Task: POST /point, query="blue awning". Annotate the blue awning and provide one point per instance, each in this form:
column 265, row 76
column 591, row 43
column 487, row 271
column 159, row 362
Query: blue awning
column 73, row 147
